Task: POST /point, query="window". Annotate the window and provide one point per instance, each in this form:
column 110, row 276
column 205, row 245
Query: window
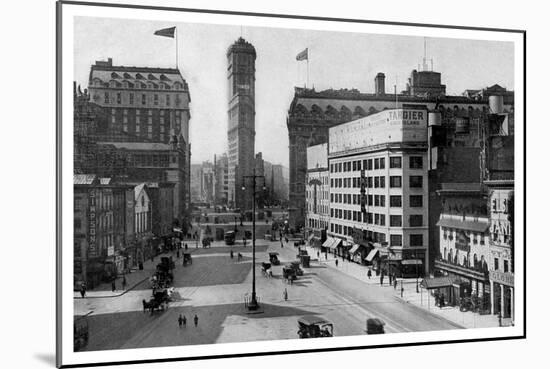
column 376, row 163
column 376, row 218
column 496, row 263
column 376, row 182
column 369, row 164
column 167, row 100
column 415, row 201
column 505, row 266
column 415, row 162
column 382, row 163
column 395, row 161
column 415, row 181
column 416, row 240
column 395, row 181
column 369, row 199
column 396, row 221
column 365, row 164
column 395, row 201
column 106, row 98
column 376, row 200
column 382, row 182
column 415, row 220
column 119, row 98
column 396, row 240
column 143, row 99
column 382, row 200
column 156, row 99
column 382, row 220
column 131, row 96
column 354, row 165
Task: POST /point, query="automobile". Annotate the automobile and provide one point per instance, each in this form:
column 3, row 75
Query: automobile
column 296, row 266
column 81, row 332
column 313, row 326
column 273, row 258
column 375, row 326
column 229, row 238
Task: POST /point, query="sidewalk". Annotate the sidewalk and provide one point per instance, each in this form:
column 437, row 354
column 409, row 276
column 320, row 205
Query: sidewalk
column 423, row 299
column 133, row 279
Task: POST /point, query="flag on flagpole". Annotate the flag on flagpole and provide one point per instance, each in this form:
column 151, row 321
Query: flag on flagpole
column 302, row 55
column 166, row 32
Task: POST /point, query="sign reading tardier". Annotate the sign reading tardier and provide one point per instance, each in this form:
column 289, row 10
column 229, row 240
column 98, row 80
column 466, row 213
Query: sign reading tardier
column 502, row 278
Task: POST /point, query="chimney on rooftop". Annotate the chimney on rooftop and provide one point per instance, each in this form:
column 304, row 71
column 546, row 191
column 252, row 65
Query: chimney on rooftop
column 379, row 84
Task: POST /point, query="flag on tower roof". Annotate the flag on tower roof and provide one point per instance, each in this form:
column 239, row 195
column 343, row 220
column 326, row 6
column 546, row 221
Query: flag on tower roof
column 302, row 55
column 166, row 32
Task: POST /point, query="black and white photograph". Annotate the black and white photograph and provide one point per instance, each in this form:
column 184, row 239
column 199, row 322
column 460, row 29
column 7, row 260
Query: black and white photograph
column 237, row 184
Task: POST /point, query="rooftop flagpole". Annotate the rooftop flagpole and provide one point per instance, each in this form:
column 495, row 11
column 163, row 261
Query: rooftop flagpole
column 176, row 48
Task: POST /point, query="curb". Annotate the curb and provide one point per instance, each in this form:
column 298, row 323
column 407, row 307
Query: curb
column 120, row 294
column 429, row 312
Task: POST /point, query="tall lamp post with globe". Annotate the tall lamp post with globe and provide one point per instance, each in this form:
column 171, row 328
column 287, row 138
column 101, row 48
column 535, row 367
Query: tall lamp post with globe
column 253, row 304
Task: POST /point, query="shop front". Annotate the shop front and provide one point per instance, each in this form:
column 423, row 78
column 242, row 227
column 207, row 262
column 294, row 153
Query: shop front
column 502, row 292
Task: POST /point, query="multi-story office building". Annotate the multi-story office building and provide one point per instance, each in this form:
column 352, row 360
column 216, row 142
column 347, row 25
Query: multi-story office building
column 149, row 106
column 103, row 228
column 221, row 166
column 379, row 186
column 241, row 131
column 312, row 113
column 317, row 193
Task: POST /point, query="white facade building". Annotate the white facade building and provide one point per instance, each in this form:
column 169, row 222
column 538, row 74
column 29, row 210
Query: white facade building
column 379, row 186
column 317, row 190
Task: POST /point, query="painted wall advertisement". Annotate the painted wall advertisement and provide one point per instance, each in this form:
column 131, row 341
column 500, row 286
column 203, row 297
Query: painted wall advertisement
column 92, row 247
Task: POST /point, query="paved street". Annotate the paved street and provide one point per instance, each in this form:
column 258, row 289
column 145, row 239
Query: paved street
column 213, row 287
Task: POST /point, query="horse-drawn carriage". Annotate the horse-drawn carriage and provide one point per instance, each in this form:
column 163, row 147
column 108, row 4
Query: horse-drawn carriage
column 159, row 301
column 375, row 326
column 266, row 269
column 296, row 266
column 187, row 258
column 289, row 274
column 273, row 258
column 163, row 276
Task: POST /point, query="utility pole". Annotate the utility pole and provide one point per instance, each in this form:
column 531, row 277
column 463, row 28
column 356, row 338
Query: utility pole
column 253, row 304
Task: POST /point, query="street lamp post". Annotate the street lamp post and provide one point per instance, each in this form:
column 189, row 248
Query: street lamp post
column 253, row 304
column 416, row 265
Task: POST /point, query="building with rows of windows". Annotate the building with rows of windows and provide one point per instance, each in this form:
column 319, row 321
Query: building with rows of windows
column 317, row 192
column 378, row 167
column 148, row 107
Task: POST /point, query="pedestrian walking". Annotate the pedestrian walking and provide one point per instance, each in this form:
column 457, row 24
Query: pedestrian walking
column 317, row 254
column 180, row 321
column 394, row 282
column 285, row 295
column 381, row 278
column 369, row 274
column 184, row 321
column 231, row 254
column 196, row 320
column 123, row 282
column 336, row 262
column 186, row 246
column 83, row 290
column 286, row 239
column 113, row 286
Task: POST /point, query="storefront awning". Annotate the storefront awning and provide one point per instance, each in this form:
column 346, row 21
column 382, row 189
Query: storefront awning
column 346, row 244
column 328, row 241
column 438, row 282
column 372, row 254
column 335, row 243
column 463, row 224
column 411, row 262
column 354, row 249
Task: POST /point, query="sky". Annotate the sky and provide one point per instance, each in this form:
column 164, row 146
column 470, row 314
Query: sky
column 337, row 60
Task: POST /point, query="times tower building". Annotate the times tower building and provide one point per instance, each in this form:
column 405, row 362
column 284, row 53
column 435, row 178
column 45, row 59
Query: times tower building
column 241, row 57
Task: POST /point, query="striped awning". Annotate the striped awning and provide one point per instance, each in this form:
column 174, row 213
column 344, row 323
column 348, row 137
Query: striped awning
column 372, row 254
column 335, row 243
column 328, row 241
column 354, row 249
column 438, row 282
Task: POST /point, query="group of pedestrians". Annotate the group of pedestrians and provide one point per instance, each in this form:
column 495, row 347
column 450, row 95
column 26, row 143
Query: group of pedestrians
column 182, row 320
